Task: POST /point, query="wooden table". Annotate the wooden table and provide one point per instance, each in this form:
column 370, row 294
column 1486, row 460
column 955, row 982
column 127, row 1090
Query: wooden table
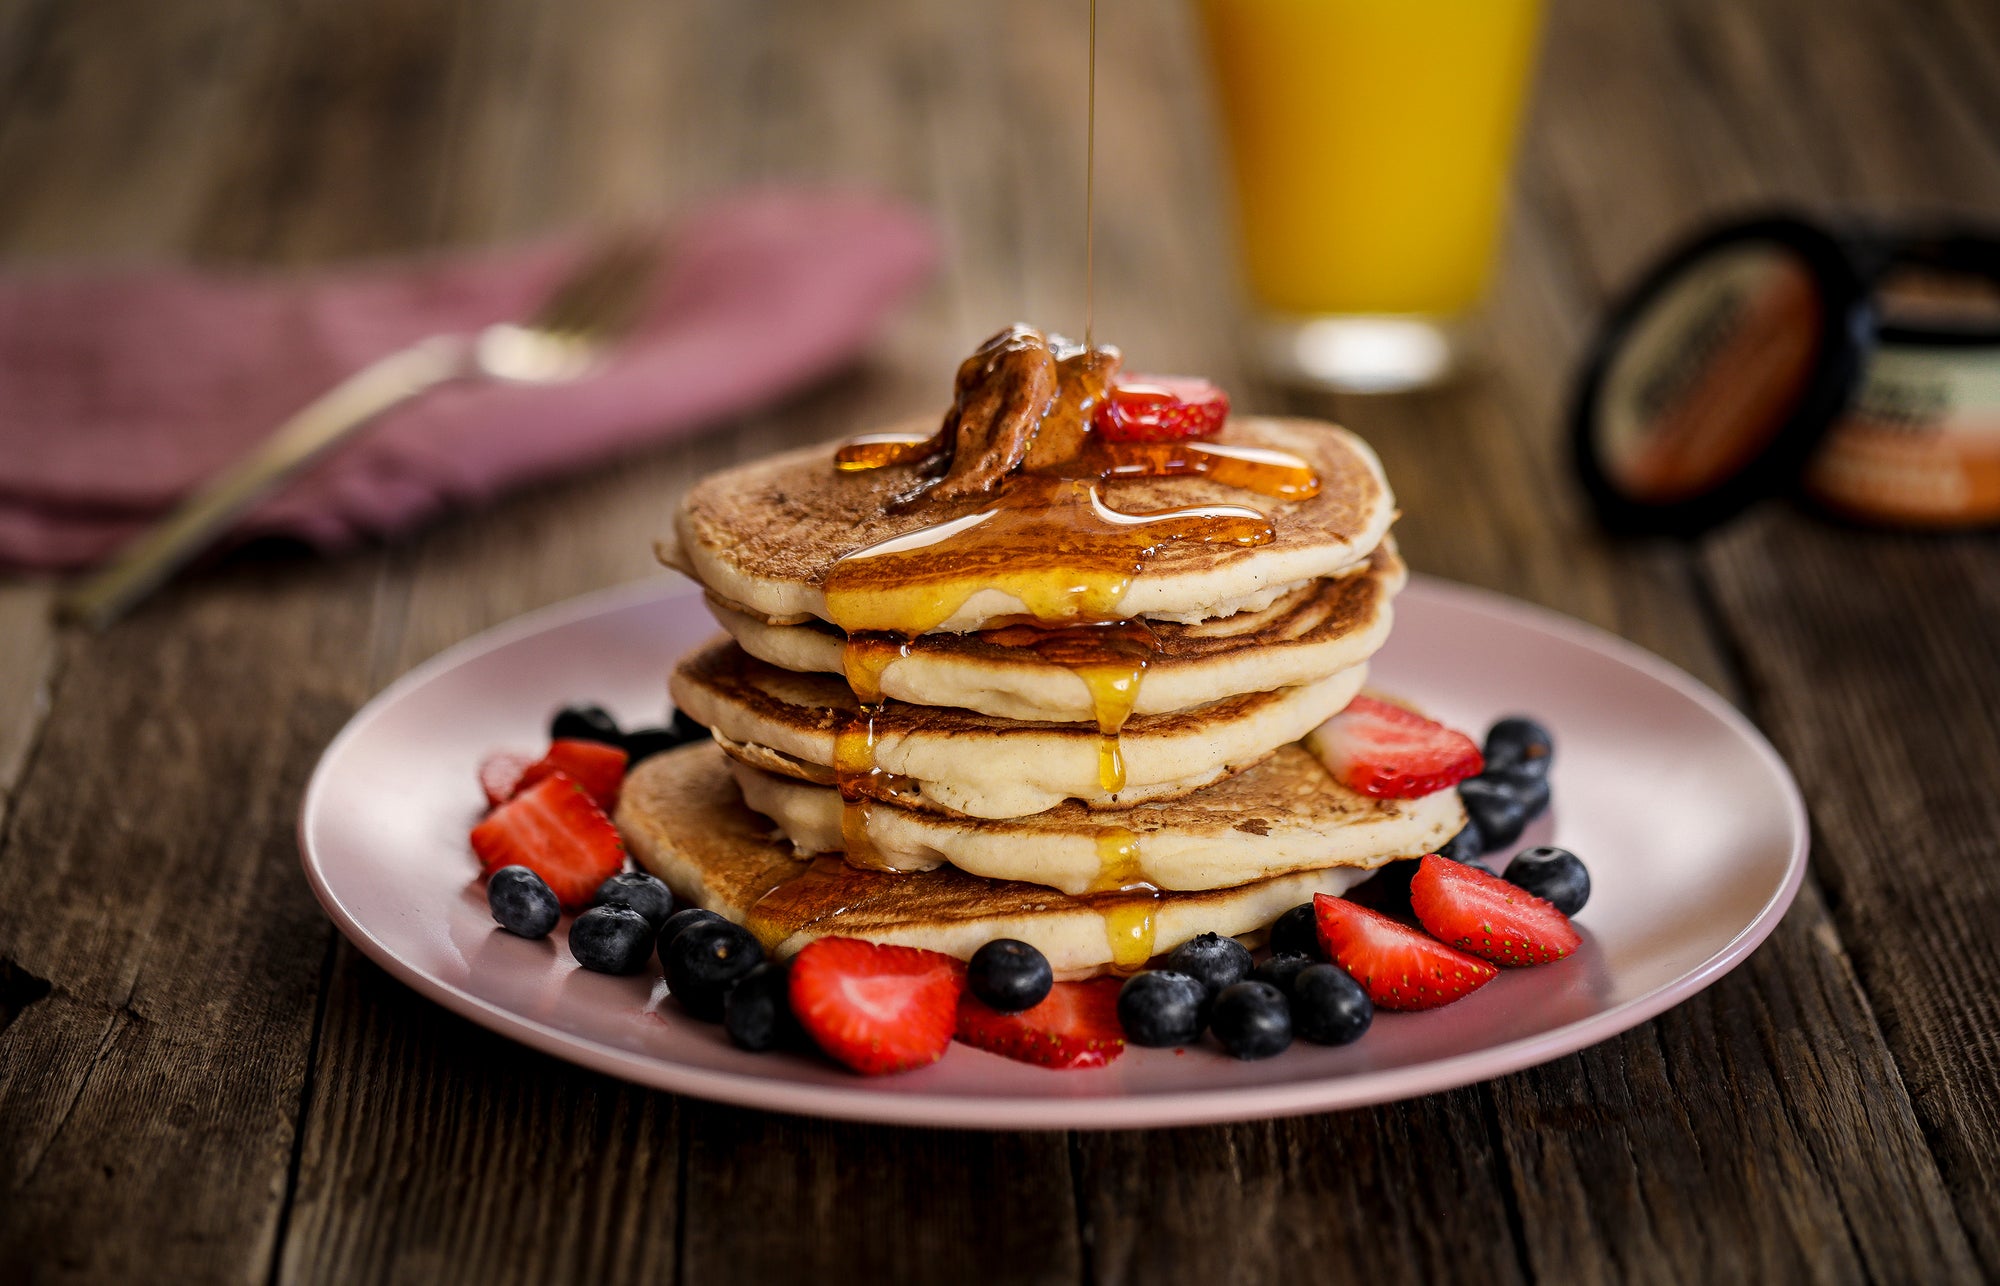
column 199, row 1080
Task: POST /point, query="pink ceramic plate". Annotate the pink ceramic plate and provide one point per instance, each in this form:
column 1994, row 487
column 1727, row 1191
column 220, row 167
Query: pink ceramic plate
column 1692, row 827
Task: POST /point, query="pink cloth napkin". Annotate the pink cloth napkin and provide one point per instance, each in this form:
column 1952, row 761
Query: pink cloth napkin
column 121, row 390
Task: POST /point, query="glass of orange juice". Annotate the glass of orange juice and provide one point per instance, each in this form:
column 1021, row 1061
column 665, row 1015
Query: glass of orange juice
column 1371, row 142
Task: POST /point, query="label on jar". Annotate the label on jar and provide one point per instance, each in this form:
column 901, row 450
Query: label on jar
column 1920, row 446
column 1709, row 375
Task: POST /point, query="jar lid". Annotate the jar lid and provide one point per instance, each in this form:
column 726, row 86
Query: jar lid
column 1716, row 377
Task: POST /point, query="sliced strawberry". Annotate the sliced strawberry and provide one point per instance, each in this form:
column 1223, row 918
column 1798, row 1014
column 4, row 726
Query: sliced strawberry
column 877, row 1009
column 1156, row 408
column 598, row 768
column 1399, row 967
column 1075, row 1025
column 1487, row 916
column 1384, row 750
column 554, row 830
column 500, row 776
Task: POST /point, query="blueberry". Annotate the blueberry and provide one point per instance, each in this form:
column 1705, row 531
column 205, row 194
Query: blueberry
column 1328, row 1006
column 1296, row 932
column 1467, row 845
column 1552, row 873
column 757, row 1012
column 521, row 902
column 1388, row 889
column 1501, row 806
column 1162, row 1008
column 643, row 743
column 686, row 728
column 640, row 892
column 705, row 960
column 1279, row 971
column 611, row 939
column 1212, row 959
column 1009, row 975
column 1520, row 745
column 584, row 723
column 1252, row 1020
column 679, row 920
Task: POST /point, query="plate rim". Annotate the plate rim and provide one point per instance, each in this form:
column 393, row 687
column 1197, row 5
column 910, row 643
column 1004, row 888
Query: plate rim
column 1186, row 1107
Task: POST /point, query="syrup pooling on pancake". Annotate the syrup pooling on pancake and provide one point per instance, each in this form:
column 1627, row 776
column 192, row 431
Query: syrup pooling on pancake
column 1047, row 538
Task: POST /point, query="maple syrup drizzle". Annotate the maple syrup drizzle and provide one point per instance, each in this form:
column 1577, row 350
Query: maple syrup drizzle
column 879, row 450
column 800, row 901
column 1130, row 929
column 1090, row 193
column 856, row 774
column 1110, row 659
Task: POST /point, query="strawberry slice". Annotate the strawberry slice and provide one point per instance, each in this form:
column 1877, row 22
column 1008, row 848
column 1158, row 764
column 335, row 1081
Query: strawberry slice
column 1487, row 916
column 1399, row 967
column 500, row 776
column 554, row 830
column 1075, row 1025
column 1384, row 750
column 1161, row 408
column 598, row 768
column 877, row 1009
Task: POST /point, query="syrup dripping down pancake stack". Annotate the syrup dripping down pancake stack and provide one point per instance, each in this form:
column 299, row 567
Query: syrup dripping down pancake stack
column 1061, row 670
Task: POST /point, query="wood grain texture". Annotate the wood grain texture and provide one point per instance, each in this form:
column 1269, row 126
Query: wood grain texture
column 197, row 1082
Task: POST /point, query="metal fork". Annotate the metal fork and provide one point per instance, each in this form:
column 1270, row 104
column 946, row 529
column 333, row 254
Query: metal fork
column 595, row 305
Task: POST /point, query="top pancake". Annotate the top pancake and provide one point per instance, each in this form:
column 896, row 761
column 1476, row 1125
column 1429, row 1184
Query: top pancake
column 765, row 535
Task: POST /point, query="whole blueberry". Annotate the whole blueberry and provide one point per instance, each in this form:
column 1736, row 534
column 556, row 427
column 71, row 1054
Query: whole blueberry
column 1555, row 874
column 705, row 960
column 1388, row 889
column 521, row 903
column 1009, row 975
column 1519, row 744
column 1499, row 807
column 1252, row 1020
column 584, row 723
column 1214, row 960
column 639, row 892
column 1467, row 845
column 681, row 919
column 643, row 743
column 757, row 1012
column 1162, row 1008
column 1328, row 1006
column 1279, row 971
column 611, row 939
column 1296, row 932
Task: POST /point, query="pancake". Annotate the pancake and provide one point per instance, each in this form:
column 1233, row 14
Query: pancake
column 765, row 535
column 1285, row 814
column 981, row 766
column 1328, row 626
column 682, row 820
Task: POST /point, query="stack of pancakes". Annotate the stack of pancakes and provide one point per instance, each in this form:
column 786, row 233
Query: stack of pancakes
column 978, row 792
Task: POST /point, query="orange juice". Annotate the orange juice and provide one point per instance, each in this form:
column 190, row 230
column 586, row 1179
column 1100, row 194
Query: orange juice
column 1371, row 141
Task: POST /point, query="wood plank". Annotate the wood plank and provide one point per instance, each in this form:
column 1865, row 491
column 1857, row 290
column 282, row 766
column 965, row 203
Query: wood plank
column 777, row 1199
column 149, row 875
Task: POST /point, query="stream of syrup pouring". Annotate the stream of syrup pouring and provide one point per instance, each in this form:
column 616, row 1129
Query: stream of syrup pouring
column 1048, row 540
